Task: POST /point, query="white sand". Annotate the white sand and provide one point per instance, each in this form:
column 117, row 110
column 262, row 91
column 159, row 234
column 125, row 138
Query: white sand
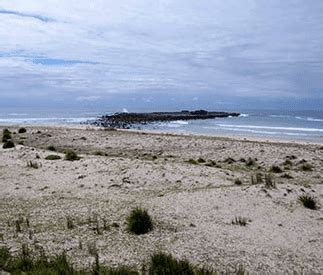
column 192, row 205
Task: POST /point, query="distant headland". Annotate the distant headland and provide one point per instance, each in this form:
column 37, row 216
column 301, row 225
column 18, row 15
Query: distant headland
column 129, row 120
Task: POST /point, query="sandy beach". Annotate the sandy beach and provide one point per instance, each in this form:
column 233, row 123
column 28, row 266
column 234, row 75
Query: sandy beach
column 189, row 186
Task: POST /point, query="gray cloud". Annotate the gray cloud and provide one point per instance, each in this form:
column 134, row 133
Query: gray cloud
column 247, row 50
column 33, row 16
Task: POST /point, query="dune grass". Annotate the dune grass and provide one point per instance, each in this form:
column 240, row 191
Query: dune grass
column 139, row 222
column 71, row 156
column 8, row 144
column 159, row 263
column 308, row 202
column 53, row 157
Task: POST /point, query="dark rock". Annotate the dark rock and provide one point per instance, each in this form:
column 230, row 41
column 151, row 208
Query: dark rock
column 134, row 120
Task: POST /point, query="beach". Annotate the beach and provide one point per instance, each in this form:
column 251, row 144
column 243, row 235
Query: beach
column 188, row 184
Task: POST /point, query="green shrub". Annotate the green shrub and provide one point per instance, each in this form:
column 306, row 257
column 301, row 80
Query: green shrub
column 22, row 130
column 6, row 131
column 250, row 162
column 275, row 169
column 306, row 167
column 287, row 176
column 53, row 157
column 308, row 201
column 6, row 137
column 98, row 153
column 287, row 162
column 165, row 264
column 139, row 222
column 71, row 156
column 193, row 161
column 4, row 257
column 200, row 160
column 116, row 271
column 8, row 144
column 237, row 182
column 51, row 148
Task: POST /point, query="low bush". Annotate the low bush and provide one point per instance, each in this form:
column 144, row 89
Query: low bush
column 165, row 264
column 53, row 157
column 22, row 130
column 308, row 201
column 306, row 167
column 8, row 144
column 288, row 162
column 6, row 131
column 200, row 160
column 250, row 162
column 286, row 176
column 51, row 148
column 71, row 156
column 192, row 161
column 159, row 264
column 98, row 153
column 139, row 222
column 6, row 137
column 237, row 182
column 275, row 169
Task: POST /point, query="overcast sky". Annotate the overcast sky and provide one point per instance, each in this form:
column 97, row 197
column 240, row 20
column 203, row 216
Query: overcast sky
column 179, row 53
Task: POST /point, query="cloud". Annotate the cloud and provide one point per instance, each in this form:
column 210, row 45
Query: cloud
column 32, row 16
column 87, row 98
column 161, row 49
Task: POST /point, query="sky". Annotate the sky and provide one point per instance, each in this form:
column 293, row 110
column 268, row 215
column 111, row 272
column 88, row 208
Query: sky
column 162, row 54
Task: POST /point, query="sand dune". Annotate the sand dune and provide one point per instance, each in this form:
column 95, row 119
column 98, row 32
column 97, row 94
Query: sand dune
column 187, row 183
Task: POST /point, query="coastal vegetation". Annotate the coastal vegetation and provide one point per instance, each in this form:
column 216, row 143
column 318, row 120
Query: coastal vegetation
column 70, row 155
column 139, row 222
column 51, row 148
column 22, row 130
column 308, row 201
column 26, row 262
column 53, row 157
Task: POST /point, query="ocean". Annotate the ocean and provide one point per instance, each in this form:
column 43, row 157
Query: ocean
column 266, row 124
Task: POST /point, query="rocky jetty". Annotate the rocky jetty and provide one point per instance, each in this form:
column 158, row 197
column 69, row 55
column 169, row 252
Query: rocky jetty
column 133, row 120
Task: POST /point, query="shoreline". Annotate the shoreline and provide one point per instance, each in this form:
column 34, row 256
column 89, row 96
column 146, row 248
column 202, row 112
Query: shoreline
column 247, row 138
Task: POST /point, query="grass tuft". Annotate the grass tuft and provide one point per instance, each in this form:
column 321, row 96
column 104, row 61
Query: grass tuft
column 250, row 162
column 269, row 181
column 201, row 160
column 165, row 264
column 307, row 167
column 8, row 144
column 192, row 161
column 139, row 222
column 53, row 157
column 308, row 201
column 32, row 164
column 70, row 223
column 22, row 130
column 237, row 182
column 51, row 148
column 275, row 169
column 239, row 221
column 71, row 156
column 6, row 137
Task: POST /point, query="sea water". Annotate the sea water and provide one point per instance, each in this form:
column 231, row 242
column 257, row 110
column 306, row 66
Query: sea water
column 264, row 124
